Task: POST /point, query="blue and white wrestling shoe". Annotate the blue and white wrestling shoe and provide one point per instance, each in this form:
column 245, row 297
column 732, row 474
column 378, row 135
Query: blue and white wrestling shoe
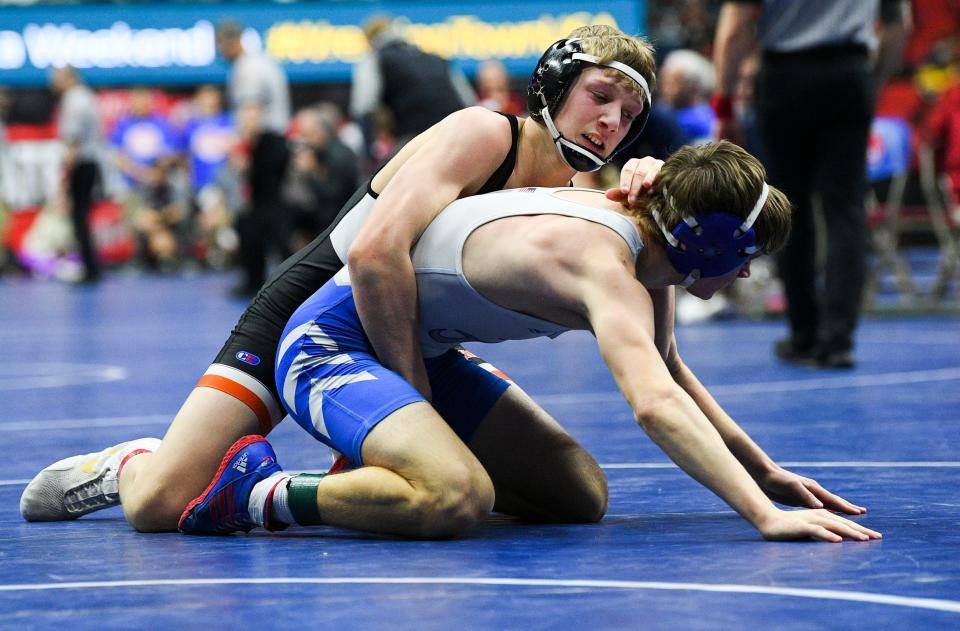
column 223, row 507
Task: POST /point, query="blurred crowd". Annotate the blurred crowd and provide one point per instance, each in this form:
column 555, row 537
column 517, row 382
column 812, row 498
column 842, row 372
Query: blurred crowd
column 178, row 170
column 218, row 177
column 174, row 181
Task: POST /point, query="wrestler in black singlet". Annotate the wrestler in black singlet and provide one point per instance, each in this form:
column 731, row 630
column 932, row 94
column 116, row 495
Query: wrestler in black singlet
column 252, row 346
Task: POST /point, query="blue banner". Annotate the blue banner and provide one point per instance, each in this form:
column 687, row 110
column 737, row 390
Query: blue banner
column 315, row 42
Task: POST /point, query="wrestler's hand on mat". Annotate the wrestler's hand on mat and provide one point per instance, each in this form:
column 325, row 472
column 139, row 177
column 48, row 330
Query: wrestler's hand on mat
column 786, row 487
column 817, row 524
column 636, row 176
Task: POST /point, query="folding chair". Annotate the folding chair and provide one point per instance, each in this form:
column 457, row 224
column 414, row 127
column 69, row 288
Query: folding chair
column 888, row 168
column 944, row 208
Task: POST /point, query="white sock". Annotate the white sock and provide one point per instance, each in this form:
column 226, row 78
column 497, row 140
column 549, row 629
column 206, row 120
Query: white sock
column 115, row 456
column 261, row 492
column 280, row 511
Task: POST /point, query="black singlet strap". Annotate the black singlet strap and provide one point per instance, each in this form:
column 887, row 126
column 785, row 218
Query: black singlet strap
column 499, row 178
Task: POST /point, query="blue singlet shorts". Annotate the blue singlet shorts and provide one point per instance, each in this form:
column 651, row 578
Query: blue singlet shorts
column 331, row 383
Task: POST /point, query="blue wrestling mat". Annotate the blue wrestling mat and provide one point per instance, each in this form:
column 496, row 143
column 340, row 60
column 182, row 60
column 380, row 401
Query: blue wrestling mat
column 84, row 368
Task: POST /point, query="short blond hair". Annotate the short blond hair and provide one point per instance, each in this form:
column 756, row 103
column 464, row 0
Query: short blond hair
column 719, row 176
column 608, row 43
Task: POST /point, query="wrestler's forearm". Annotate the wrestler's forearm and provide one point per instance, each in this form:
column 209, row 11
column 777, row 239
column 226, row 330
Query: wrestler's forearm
column 621, row 319
column 678, row 427
column 750, row 455
column 385, row 293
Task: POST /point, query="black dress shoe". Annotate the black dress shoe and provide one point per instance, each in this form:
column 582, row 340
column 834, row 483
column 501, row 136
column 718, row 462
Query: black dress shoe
column 787, row 351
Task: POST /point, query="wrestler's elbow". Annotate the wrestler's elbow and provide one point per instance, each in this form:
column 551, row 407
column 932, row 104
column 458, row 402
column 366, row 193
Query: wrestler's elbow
column 654, row 411
column 370, row 261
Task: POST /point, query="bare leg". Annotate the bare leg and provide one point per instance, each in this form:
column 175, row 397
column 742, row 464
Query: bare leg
column 539, row 471
column 155, row 488
column 418, row 480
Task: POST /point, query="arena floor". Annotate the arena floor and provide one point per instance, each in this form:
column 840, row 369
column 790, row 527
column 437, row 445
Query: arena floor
column 86, row 368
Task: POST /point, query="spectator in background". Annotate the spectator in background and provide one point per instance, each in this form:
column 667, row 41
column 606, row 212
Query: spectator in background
column 942, row 130
column 146, row 151
column 418, row 88
column 348, row 131
column 142, row 140
column 815, row 100
column 78, row 126
column 219, row 205
column 257, row 89
column 208, row 136
column 686, row 81
column 323, row 175
column 493, row 89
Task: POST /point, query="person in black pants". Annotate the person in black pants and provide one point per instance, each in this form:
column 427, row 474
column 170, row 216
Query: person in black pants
column 259, row 96
column 79, row 128
column 82, row 177
column 815, row 96
column 260, row 228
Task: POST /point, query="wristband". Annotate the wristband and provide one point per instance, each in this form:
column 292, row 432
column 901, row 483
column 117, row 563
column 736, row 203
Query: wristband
column 722, row 106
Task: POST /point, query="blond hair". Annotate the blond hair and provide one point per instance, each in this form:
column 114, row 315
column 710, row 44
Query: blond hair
column 719, row 176
column 608, row 43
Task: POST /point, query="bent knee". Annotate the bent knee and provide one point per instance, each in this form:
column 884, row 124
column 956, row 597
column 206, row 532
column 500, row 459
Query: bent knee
column 459, row 503
column 593, row 498
column 592, row 507
column 585, row 496
column 153, row 505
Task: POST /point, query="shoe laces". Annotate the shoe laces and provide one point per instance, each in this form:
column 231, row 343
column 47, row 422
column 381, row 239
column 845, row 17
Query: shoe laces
column 89, row 494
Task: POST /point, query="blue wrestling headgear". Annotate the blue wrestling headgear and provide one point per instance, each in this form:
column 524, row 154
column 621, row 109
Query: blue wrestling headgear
column 714, row 243
column 556, row 71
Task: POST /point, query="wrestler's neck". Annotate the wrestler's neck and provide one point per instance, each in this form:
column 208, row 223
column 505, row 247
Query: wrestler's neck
column 653, row 268
column 548, row 169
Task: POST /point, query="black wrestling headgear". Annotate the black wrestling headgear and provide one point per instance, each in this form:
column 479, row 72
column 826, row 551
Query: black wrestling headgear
column 556, row 72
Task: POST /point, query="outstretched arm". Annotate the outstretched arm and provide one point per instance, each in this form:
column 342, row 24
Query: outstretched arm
column 621, row 314
column 779, row 484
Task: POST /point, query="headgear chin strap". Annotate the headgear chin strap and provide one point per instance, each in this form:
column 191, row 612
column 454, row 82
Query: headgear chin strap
column 713, row 244
column 556, row 72
column 577, row 157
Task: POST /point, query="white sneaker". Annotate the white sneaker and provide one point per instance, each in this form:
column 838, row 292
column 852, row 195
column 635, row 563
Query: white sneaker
column 78, row 485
